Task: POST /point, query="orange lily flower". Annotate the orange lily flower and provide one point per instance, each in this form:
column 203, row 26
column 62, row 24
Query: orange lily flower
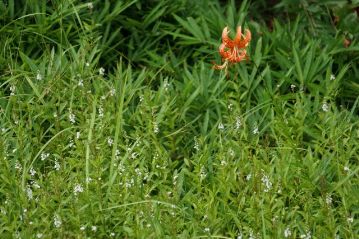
column 233, row 50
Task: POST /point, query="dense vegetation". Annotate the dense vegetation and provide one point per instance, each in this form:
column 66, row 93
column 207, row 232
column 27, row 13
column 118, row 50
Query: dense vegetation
column 114, row 124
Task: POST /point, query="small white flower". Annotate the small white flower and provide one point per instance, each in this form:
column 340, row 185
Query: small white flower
column 55, row 115
column 35, row 185
column 82, row 228
column 308, row 235
column 3, row 211
column 203, row 173
column 196, row 144
column 292, row 86
column 32, row 171
column 78, row 189
column 275, row 219
column 238, row 123
column 332, row 77
column 57, row 165
column 231, row 152
column 134, row 155
column 239, row 235
column 328, row 199
column 207, row 230
column 18, row 166
column 223, row 163
column 38, row 76
column 117, row 154
column 346, row 169
column 12, row 89
column 29, row 192
column 72, row 117
column 350, row 219
column 130, row 183
column 138, row 172
column 87, row 64
column 39, row 235
column 230, row 107
column 44, row 156
column 101, row 71
column 287, row 232
column 251, row 234
column 255, row 130
column 57, row 221
column 100, row 111
column 71, row 143
column 325, row 107
column 248, row 177
column 220, row 126
column 155, row 128
column 88, row 180
column 93, row 228
column 267, row 183
column 81, row 83
column 155, row 157
column 166, row 85
column 110, row 141
column 175, row 180
column 90, row 6
column 112, row 91
column 78, row 134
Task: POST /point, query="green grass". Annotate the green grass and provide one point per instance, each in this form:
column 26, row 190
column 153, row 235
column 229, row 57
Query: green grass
column 113, row 123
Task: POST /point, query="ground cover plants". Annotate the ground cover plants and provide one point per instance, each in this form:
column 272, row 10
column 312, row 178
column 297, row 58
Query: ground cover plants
column 114, row 123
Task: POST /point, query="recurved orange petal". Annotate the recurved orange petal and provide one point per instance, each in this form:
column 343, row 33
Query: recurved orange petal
column 238, row 37
column 225, row 39
column 222, row 51
column 247, row 38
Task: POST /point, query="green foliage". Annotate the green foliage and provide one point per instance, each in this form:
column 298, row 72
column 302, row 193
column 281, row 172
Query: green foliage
column 114, row 124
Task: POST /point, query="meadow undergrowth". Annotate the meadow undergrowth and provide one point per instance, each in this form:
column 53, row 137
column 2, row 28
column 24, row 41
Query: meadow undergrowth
column 113, row 123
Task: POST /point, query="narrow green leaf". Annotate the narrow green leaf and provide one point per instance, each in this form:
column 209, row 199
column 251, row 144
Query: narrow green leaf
column 298, row 66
